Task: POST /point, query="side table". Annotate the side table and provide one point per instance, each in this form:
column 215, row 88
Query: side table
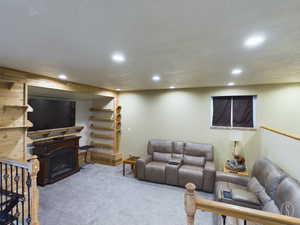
column 131, row 161
column 242, row 173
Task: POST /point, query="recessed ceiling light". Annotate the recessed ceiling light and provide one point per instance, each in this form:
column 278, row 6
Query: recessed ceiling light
column 156, row 78
column 118, row 89
column 231, row 84
column 118, row 57
column 254, row 41
column 236, row 71
column 172, row 87
column 62, row 77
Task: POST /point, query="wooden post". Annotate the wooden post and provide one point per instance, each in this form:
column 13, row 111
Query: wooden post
column 34, row 191
column 190, row 203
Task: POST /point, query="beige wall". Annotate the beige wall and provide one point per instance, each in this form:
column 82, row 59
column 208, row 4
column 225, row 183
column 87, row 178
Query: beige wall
column 184, row 114
column 282, row 150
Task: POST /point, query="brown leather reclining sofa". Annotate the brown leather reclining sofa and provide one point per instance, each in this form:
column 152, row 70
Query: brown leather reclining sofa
column 269, row 189
column 178, row 163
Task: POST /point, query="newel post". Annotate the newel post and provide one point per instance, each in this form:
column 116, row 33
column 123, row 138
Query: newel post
column 190, row 203
column 34, row 191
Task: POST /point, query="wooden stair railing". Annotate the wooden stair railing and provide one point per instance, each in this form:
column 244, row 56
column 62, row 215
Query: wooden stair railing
column 193, row 202
column 281, row 133
column 19, row 195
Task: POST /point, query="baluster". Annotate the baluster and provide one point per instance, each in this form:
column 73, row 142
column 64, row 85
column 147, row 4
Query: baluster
column 35, row 191
column 224, row 219
column 28, row 184
column 1, row 187
column 190, row 203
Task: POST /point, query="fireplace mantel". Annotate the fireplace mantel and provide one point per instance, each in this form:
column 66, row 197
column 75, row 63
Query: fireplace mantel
column 58, row 159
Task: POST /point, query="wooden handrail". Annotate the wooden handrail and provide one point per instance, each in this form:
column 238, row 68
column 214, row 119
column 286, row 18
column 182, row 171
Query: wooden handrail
column 281, row 133
column 16, row 162
column 193, row 202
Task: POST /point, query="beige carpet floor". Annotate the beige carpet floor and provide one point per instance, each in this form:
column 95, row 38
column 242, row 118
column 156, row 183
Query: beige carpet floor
column 100, row 195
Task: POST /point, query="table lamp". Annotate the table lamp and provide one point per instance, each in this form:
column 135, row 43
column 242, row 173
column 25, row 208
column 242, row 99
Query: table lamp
column 236, row 137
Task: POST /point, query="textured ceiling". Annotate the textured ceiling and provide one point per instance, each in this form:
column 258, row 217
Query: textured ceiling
column 189, row 43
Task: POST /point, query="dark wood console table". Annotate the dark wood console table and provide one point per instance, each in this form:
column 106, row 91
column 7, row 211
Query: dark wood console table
column 58, row 158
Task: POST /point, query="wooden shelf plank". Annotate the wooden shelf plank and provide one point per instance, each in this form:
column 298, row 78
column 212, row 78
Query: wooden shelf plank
column 41, row 132
column 95, row 109
column 102, row 136
column 93, row 118
column 10, row 84
column 95, row 127
column 16, row 127
column 57, row 136
column 16, row 106
column 101, row 145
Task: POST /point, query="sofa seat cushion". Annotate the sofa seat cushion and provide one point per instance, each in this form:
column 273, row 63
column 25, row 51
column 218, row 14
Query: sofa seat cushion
column 226, row 186
column 244, row 196
column 189, row 173
column 271, row 207
column 155, row 171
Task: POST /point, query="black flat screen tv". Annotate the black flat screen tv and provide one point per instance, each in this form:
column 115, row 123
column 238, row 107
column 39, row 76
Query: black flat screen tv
column 51, row 114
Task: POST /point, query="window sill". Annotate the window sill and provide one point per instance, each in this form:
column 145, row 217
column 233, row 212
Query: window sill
column 234, row 128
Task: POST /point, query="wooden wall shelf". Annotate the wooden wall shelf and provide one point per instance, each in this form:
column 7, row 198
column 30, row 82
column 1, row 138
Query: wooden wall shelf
column 102, row 136
column 24, row 107
column 95, row 127
column 102, row 131
column 52, row 137
column 27, row 125
column 93, row 118
column 10, row 84
column 101, row 145
column 94, row 109
column 47, row 132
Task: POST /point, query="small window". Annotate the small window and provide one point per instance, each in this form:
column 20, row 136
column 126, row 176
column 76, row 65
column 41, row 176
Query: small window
column 233, row 111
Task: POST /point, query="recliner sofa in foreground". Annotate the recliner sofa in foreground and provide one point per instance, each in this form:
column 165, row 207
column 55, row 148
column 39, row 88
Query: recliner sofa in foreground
column 178, row 163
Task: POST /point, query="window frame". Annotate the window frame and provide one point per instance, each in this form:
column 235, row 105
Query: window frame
column 254, row 99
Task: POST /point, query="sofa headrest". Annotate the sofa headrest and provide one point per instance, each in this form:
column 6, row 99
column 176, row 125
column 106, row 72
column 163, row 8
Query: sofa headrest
column 197, row 149
column 268, row 174
column 287, row 197
column 163, row 146
column 178, row 147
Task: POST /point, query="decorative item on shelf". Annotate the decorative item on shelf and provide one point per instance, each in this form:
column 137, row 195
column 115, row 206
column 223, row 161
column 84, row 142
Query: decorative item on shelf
column 118, row 118
column 118, row 109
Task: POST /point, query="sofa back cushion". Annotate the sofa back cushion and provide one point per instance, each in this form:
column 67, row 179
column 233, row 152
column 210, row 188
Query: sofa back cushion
column 161, row 157
column 162, row 146
column 269, row 175
column 287, row 197
column 199, row 150
column 178, row 148
column 255, row 187
column 194, row 160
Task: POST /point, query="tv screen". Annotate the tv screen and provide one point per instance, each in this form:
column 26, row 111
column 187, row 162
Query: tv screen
column 50, row 114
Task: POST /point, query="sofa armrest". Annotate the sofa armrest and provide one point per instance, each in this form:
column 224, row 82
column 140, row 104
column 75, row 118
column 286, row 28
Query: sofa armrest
column 209, row 176
column 232, row 178
column 140, row 166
